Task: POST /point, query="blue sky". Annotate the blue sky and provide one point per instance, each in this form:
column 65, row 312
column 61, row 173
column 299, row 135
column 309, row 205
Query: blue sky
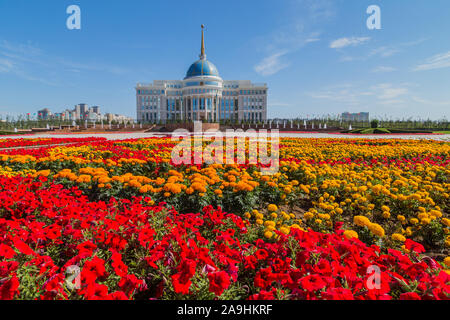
column 317, row 56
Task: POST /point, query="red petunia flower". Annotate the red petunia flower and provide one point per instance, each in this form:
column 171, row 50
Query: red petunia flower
column 9, row 289
column 414, row 246
column 119, row 267
column 182, row 280
column 218, row 282
column 129, row 284
column 410, row 296
column 23, row 247
column 312, row 282
column 6, row 251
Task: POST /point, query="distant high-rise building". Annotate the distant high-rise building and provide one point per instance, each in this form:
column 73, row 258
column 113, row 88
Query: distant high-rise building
column 77, row 112
column 44, row 114
column 84, row 111
column 95, row 109
column 362, row 116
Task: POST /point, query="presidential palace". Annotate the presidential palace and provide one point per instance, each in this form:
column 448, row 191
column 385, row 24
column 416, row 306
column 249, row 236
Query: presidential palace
column 203, row 96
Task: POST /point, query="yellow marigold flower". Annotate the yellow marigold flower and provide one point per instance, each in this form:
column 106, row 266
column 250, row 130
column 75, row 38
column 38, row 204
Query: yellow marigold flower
column 425, row 221
column 398, row 237
column 259, row 221
column 401, row 218
column 43, row 173
column 247, row 215
column 436, row 213
column 362, row 189
column 447, row 261
column 284, row 230
column 376, row 229
column 304, row 188
column 409, row 232
column 268, row 234
column 145, row 189
column 422, row 215
column 272, row 208
column 350, row 234
column 273, row 215
column 446, row 222
column 361, row 221
column 269, row 223
column 308, row 215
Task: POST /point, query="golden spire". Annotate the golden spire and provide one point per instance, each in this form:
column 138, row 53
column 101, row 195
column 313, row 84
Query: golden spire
column 202, row 52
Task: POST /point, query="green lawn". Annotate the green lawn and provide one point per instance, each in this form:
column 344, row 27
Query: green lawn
column 384, row 131
column 8, row 133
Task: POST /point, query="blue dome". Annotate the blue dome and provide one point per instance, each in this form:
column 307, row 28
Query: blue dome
column 202, row 68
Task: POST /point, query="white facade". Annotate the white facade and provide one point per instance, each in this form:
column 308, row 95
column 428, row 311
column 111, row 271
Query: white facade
column 202, row 96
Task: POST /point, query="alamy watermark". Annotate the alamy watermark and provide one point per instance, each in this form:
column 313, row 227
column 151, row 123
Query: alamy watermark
column 374, row 280
column 374, row 21
column 73, row 280
column 74, row 20
column 230, row 147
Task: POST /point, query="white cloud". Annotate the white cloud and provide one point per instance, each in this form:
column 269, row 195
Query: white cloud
column 300, row 27
column 387, row 91
column 312, row 40
column 384, row 52
column 31, row 63
column 314, row 10
column 280, row 104
column 345, row 42
column 383, row 69
column 283, row 43
column 430, row 102
column 384, row 93
column 438, row 61
column 6, row 65
column 392, row 102
column 343, row 93
column 272, row 64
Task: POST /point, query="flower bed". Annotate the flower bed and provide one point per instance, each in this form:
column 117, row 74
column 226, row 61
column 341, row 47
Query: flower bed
column 12, row 143
column 135, row 250
column 140, row 227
